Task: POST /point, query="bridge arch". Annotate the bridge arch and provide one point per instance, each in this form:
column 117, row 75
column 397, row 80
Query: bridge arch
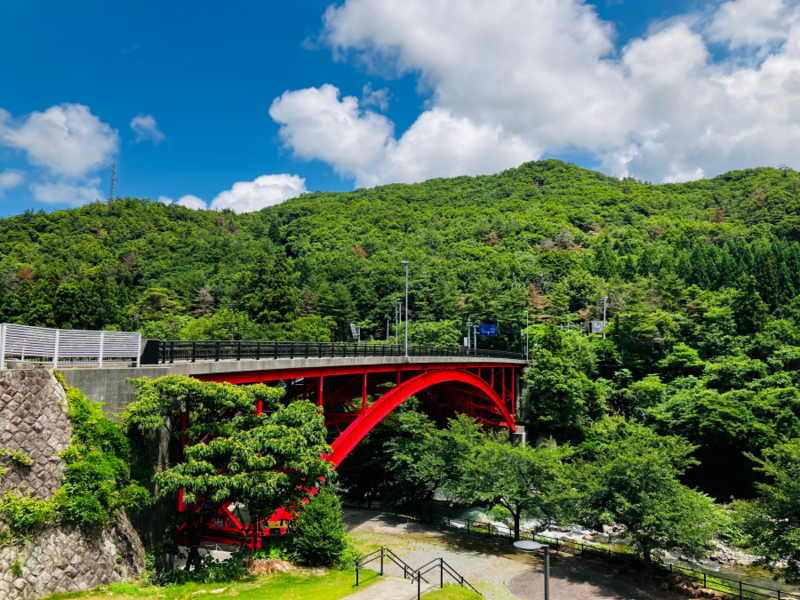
column 353, row 434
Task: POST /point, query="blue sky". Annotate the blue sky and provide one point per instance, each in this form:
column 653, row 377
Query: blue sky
column 207, row 73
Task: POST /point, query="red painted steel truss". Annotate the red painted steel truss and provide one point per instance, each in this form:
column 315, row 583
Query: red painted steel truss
column 355, row 398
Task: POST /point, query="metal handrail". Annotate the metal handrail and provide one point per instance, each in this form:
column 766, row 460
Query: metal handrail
column 733, row 587
column 384, row 553
column 443, row 567
column 170, row 351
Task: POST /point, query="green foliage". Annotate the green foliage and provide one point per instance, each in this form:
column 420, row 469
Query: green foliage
column 526, row 481
column 440, row 333
column 772, row 521
column 632, row 478
column 319, row 534
column 21, row 459
column 97, row 479
column 20, row 514
column 262, row 460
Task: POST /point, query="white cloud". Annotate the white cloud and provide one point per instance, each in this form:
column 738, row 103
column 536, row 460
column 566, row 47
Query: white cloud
column 378, row 98
column 165, row 200
column 146, row 129
column 360, row 143
column 192, row 202
column 267, row 190
column 64, row 193
column 316, row 125
column 743, row 23
column 67, row 139
column 513, row 79
column 10, row 178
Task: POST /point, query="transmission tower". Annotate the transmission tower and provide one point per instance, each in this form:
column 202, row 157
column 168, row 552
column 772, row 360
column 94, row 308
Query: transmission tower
column 112, row 193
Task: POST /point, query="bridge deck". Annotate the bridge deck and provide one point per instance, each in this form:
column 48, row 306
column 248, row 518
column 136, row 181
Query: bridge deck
column 108, row 385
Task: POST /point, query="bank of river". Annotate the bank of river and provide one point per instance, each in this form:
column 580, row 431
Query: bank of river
column 747, row 574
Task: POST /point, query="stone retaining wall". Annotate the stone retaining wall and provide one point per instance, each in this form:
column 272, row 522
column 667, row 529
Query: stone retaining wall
column 56, row 558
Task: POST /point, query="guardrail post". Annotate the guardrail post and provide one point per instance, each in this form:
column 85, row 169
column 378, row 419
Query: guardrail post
column 419, row 586
column 239, row 350
column 381, row 560
column 356, row 573
column 171, row 352
column 258, row 350
column 217, row 351
column 139, row 354
column 441, row 572
column 102, row 348
column 741, row 594
column 194, row 351
column 55, row 351
column 2, row 346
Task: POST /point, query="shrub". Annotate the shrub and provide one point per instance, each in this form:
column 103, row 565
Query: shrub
column 320, row 535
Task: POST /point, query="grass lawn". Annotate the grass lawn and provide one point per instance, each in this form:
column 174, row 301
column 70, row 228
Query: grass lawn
column 452, row 592
column 296, row 585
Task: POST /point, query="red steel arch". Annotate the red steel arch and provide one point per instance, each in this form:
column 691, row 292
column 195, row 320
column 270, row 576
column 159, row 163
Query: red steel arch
column 345, row 443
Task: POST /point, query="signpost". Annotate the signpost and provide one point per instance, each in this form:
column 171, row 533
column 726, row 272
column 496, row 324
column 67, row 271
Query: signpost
column 356, row 331
column 488, row 330
column 598, row 326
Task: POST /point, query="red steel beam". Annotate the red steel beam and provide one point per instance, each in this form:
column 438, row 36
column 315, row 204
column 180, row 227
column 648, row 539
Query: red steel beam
column 345, row 443
column 297, row 373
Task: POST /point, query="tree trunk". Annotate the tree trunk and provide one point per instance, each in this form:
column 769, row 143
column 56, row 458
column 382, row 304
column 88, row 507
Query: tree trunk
column 516, row 524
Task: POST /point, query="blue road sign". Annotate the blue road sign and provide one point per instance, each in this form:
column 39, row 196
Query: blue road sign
column 489, row 330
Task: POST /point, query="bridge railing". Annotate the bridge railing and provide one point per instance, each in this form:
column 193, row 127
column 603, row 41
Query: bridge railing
column 170, row 351
column 23, row 345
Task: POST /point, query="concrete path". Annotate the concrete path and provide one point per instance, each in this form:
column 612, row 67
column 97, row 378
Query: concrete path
column 389, row 588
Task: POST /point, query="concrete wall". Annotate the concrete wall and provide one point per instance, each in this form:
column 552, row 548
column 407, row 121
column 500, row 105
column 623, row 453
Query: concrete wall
column 108, row 385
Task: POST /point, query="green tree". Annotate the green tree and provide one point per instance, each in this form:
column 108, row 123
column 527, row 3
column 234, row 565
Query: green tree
column 232, row 454
column 749, row 310
column 319, row 534
column 772, row 521
column 525, row 481
column 632, row 479
column 270, row 295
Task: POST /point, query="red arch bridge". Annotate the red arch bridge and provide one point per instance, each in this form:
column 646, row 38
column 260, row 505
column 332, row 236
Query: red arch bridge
column 339, row 378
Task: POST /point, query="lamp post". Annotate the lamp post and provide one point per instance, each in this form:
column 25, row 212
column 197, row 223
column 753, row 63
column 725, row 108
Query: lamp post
column 405, row 262
column 397, row 314
column 527, row 334
column 531, row 547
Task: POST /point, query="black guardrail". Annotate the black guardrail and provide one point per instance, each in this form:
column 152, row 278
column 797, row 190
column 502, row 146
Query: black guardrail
column 170, row 351
column 733, row 587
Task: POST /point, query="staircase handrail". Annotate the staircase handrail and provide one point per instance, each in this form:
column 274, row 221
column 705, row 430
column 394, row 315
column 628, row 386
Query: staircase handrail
column 444, row 567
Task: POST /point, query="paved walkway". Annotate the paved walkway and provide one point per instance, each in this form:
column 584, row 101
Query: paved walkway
column 390, row 588
column 492, row 565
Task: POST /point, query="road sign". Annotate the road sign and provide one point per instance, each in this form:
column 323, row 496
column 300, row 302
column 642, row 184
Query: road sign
column 487, row 330
column 356, row 331
column 597, row 326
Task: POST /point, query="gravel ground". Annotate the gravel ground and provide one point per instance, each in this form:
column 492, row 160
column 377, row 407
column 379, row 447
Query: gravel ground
column 492, row 565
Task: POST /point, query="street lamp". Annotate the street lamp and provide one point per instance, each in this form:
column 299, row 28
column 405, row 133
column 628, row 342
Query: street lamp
column 527, row 334
column 398, row 311
column 405, row 262
column 531, row 547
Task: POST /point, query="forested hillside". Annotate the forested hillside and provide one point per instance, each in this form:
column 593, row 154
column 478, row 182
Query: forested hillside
column 702, row 281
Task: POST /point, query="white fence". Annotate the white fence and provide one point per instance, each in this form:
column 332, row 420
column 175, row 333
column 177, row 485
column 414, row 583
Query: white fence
column 67, row 347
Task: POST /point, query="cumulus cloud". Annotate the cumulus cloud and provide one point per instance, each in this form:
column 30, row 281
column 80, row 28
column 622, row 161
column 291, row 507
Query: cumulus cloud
column 146, row 129
column 67, row 139
column 511, row 80
column 165, row 200
column 192, row 202
column 10, row 178
column 359, row 143
column 267, row 190
column 748, row 23
column 65, row 193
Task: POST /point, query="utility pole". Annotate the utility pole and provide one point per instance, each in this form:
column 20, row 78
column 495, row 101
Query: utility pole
column 112, row 192
column 469, row 333
column 605, row 305
column 405, row 262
